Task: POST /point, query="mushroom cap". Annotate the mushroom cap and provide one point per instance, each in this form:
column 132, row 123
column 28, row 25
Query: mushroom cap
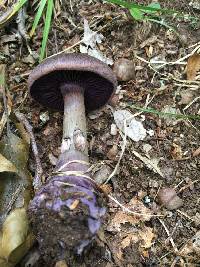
column 82, row 70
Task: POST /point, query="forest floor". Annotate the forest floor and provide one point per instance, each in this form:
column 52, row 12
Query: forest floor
column 167, row 157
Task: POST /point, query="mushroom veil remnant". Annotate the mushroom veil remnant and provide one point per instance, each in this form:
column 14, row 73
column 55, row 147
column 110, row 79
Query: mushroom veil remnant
column 66, row 211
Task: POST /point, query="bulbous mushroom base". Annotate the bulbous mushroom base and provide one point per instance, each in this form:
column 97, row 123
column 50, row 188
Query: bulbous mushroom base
column 66, row 215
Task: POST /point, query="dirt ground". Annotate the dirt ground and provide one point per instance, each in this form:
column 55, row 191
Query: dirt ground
column 168, row 237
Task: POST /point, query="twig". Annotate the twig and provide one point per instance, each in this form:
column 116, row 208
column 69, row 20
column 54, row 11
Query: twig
column 179, row 61
column 121, row 155
column 169, row 236
column 133, row 212
column 192, row 102
column 7, row 109
column 37, row 181
column 187, row 186
column 20, row 20
column 124, row 137
column 2, row 95
column 79, row 42
column 13, row 199
column 185, row 215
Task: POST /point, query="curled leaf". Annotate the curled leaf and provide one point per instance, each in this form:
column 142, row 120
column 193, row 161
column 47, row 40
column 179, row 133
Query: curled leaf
column 193, row 66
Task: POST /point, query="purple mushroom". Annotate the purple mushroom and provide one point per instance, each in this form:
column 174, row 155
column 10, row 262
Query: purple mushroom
column 66, row 212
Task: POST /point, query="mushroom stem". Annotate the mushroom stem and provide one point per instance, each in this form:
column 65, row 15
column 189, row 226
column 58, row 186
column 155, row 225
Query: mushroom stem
column 74, row 124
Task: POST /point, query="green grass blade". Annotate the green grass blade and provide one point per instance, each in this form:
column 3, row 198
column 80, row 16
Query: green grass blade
column 150, row 9
column 46, row 28
column 169, row 114
column 141, row 7
column 18, row 5
column 136, row 13
column 38, row 16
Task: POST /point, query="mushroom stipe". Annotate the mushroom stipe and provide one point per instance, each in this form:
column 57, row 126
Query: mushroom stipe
column 67, row 211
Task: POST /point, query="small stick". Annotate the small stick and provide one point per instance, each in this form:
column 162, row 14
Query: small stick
column 133, row 212
column 169, row 236
column 37, row 181
column 20, row 20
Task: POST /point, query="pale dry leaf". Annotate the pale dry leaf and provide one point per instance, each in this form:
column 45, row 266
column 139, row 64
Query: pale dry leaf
column 89, row 44
column 134, row 128
column 170, row 120
column 133, row 237
column 6, row 165
column 192, row 246
column 15, row 229
column 121, row 217
column 152, row 164
column 193, row 66
column 146, row 235
column 15, row 194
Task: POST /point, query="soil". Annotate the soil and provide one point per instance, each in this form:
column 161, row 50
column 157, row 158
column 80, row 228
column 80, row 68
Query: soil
column 173, row 143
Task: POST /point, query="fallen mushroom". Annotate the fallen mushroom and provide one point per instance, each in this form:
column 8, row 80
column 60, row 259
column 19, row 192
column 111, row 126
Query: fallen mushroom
column 66, row 212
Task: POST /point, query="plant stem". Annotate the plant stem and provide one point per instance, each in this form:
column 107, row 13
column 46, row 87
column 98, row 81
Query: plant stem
column 74, row 141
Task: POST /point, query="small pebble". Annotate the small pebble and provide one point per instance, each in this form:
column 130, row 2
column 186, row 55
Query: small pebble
column 112, row 153
column 102, row 174
column 113, row 129
column 114, row 101
column 124, row 69
column 53, row 160
column 169, row 199
column 186, row 97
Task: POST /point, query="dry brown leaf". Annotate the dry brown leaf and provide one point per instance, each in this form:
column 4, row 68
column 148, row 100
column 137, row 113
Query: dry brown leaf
column 176, row 151
column 196, row 152
column 146, row 235
column 143, row 237
column 122, row 217
column 192, row 246
column 193, row 65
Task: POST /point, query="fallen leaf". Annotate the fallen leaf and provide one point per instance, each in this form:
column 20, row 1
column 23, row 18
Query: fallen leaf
column 134, row 128
column 89, row 44
column 192, row 246
column 196, row 152
column 152, row 164
column 170, row 120
column 143, row 237
column 146, row 236
column 193, row 66
column 15, row 193
column 6, row 165
column 139, row 213
column 176, row 151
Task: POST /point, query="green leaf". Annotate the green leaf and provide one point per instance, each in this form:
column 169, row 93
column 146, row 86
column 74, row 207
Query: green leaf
column 141, row 7
column 136, row 14
column 38, row 16
column 46, row 28
column 154, row 5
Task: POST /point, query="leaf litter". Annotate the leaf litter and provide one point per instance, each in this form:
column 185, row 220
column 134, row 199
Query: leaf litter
column 15, row 193
column 131, row 175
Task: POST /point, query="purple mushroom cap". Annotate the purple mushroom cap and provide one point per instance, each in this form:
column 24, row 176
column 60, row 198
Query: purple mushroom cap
column 92, row 75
